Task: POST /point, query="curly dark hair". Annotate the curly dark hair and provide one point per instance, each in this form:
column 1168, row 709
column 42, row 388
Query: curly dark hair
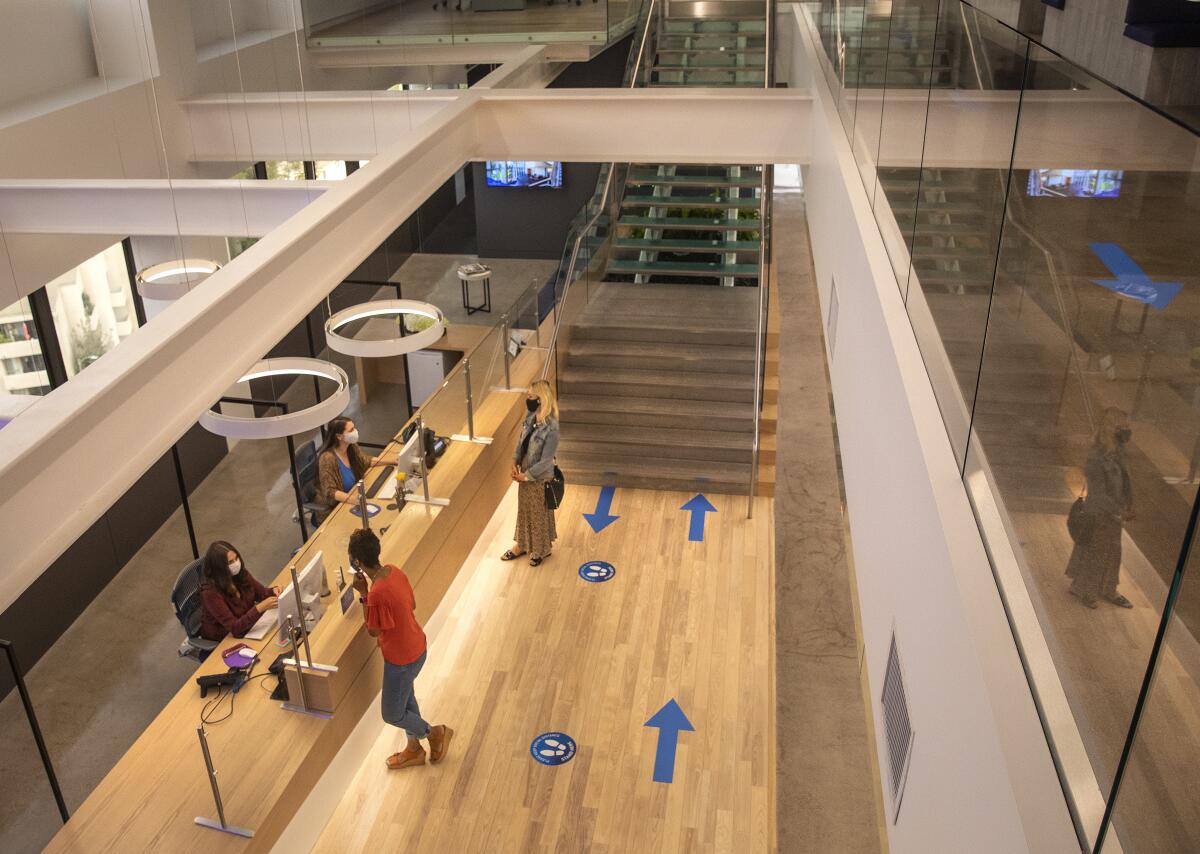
column 364, row 548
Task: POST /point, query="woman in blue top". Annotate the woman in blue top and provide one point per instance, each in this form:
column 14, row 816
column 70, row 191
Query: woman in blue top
column 340, row 463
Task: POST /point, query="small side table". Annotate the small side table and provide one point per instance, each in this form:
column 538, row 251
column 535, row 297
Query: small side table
column 465, row 278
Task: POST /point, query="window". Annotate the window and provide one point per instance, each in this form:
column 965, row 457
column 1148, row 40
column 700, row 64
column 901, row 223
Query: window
column 331, row 170
column 92, row 306
column 285, row 170
column 22, row 369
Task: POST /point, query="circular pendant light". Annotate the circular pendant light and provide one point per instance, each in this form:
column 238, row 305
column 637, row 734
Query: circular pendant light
column 376, row 348
column 291, row 423
column 172, row 279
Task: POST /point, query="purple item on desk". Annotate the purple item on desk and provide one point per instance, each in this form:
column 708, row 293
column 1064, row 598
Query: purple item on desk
column 242, row 656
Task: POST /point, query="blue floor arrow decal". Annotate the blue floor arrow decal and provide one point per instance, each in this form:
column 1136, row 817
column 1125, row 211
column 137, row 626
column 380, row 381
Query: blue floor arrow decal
column 699, row 507
column 601, row 518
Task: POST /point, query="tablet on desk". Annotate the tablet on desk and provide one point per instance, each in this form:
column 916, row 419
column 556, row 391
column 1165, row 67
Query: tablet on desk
column 265, row 623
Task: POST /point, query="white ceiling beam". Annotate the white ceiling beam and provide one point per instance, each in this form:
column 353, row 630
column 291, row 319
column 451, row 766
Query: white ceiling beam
column 230, row 208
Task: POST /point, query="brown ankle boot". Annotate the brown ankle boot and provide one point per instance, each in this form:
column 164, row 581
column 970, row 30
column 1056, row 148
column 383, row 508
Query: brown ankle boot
column 439, row 742
column 406, row 758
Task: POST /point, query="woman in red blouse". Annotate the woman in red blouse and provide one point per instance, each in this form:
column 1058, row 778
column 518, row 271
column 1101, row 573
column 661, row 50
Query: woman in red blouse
column 231, row 599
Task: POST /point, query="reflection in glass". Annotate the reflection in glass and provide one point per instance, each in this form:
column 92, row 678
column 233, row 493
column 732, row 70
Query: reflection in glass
column 1093, row 328
column 92, row 306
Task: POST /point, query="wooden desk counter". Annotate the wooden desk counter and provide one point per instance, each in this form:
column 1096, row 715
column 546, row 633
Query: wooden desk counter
column 459, row 337
column 268, row 759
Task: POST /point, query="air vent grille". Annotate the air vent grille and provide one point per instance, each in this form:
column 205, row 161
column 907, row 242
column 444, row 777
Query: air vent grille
column 898, row 729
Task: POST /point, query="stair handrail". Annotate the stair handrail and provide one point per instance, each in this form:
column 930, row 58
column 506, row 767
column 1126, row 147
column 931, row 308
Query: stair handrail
column 764, row 272
column 602, row 205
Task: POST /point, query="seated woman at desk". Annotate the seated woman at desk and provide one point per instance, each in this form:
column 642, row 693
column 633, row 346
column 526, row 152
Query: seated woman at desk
column 231, row 599
column 340, row 463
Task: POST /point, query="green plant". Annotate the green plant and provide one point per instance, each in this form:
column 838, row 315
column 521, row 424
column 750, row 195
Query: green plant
column 88, row 341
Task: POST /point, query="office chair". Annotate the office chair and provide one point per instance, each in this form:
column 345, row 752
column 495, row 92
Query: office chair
column 185, row 597
column 307, row 473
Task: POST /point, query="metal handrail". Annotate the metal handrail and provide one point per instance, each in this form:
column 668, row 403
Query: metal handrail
column 764, row 272
column 601, row 206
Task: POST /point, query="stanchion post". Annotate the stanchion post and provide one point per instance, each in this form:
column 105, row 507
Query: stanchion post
column 220, row 824
column 504, row 334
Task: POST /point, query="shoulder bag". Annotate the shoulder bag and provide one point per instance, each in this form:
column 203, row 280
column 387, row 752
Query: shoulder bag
column 1080, row 523
column 555, row 487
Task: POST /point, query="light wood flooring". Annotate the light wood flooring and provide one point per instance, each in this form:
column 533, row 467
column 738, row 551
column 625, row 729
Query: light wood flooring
column 531, row 650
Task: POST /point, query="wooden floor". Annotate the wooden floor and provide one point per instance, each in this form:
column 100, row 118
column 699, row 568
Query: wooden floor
column 526, row 651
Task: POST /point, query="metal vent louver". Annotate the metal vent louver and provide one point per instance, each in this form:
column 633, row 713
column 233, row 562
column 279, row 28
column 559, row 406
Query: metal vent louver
column 898, row 730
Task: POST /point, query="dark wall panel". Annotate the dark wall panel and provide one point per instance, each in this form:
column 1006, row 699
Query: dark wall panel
column 523, row 222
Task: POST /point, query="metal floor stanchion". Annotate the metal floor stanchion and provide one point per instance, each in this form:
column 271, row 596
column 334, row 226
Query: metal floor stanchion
column 220, row 824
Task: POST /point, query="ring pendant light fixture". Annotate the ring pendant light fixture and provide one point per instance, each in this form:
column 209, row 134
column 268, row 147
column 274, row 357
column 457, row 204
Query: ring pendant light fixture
column 172, row 279
column 377, row 348
column 291, row 423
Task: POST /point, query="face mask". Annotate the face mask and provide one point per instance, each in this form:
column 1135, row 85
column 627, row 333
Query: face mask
column 532, row 404
column 235, row 567
column 351, row 437
column 1123, row 435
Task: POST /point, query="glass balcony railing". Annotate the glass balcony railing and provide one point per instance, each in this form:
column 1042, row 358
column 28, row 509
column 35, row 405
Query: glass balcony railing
column 1042, row 227
column 355, row 23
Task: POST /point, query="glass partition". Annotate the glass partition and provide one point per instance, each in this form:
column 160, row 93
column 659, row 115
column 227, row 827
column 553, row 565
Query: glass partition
column 1042, row 227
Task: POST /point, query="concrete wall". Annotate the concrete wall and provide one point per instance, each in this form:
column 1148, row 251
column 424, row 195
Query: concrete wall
column 980, row 769
column 44, row 46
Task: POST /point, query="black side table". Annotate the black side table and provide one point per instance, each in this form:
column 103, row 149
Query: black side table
column 465, row 279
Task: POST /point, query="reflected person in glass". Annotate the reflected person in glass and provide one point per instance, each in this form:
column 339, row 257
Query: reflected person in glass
column 1095, row 564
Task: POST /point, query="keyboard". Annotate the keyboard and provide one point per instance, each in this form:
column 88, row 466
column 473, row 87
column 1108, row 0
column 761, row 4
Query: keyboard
column 265, row 623
column 373, row 489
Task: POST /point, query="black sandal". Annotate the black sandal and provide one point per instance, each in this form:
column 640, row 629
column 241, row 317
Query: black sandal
column 508, row 555
column 537, row 561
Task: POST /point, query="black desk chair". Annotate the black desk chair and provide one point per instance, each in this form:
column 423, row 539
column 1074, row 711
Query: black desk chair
column 185, row 597
column 307, row 472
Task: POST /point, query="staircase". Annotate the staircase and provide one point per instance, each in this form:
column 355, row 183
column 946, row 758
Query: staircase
column 657, row 389
column 886, row 46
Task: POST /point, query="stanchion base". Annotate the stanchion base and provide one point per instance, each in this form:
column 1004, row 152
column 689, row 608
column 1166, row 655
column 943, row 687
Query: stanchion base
column 478, row 440
column 435, row 502
column 521, row 389
column 224, row 828
column 292, row 707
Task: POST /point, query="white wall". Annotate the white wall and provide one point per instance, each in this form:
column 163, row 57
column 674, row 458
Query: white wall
column 981, row 777
column 43, row 46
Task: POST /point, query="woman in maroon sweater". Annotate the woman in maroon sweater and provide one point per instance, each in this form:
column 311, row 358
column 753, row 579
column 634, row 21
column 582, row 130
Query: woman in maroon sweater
column 231, row 599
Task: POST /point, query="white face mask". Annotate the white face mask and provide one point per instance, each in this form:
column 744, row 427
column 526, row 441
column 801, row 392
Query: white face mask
column 351, row 437
column 235, row 566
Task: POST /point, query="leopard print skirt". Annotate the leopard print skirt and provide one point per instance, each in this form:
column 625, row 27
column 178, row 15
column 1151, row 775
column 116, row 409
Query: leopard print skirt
column 535, row 522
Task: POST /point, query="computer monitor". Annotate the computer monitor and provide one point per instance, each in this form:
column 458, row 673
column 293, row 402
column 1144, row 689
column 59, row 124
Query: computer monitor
column 308, row 602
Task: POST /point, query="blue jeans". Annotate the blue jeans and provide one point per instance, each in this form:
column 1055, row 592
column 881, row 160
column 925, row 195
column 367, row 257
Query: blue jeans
column 399, row 704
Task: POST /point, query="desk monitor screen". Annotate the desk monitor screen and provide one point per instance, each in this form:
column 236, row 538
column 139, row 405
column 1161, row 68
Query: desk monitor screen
column 309, row 600
column 408, row 460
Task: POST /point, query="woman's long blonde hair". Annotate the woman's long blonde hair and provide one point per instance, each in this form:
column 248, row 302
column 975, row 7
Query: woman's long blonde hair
column 1110, row 419
column 549, row 401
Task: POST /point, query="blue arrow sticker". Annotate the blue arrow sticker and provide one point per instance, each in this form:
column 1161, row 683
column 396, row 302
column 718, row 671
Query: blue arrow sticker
column 602, row 518
column 670, row 721
column 1131, row 281
column 699, row 507
column 372, row 510
column 597, row 571
column 553, row 748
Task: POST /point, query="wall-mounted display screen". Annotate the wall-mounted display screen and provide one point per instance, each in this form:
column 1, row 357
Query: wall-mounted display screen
column 1079, row 183
column 524, row 173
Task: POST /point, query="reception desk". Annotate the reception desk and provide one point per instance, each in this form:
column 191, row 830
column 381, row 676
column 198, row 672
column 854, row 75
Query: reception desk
column 268, row 759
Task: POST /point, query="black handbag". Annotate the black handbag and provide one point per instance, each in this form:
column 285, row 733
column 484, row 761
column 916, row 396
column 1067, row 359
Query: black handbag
column 1080, row 523
column 555, row 487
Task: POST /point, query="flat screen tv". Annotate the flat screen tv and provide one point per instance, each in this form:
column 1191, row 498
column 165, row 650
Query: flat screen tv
column 524, row 173
column 1077, row 183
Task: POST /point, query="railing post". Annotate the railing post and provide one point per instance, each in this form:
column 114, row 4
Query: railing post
column 504, row 335
column 31, row 716
column 470, row 437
